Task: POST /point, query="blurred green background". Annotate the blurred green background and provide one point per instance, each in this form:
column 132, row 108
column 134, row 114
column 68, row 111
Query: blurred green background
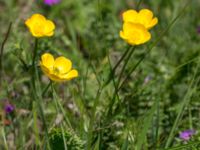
column 87, row 32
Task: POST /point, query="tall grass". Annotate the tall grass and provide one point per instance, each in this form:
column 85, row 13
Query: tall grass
column 126, row 97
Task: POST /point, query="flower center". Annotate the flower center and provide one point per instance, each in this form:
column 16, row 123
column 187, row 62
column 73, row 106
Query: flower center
column 56, row 70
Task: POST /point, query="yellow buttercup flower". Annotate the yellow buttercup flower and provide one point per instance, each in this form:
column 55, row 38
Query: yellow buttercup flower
column 59, row 69
column 134, row 33
column 144, row 17
column 39, row 26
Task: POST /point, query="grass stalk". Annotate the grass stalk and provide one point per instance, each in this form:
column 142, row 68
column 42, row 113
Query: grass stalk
column 2, row 50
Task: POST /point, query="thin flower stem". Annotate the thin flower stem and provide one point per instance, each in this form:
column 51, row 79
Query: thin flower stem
column 2, row 48
column 132, row 49
column 35, row 124
column 93, row 117
column 46, row 89
column 33, row 64
column 59, row 105
column 35, row 51
column 115, row 94
column 121, row 59
column 112, row 73
column 116, row 85
column 37, row 93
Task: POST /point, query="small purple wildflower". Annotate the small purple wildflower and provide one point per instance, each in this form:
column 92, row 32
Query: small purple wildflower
column 51, row 2
column 8, row 108
column 187, row 134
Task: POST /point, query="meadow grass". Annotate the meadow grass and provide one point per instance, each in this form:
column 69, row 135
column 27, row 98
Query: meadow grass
column 125, row 97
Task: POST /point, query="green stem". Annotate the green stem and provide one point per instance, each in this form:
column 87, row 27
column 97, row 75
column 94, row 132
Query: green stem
column 46, row 89
column 35, row 52
column 116, row 85
column 59, row 105
column 115, row 94
column 37, row 95
column 1, row 50
column 112, row 73
column 35, row 124
column 132, row 49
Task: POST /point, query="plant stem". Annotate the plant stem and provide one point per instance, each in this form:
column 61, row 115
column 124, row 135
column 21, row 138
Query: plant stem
column 46, row 89
column 59, row 105
column 35, row 52
column 112, row 73
column 37, row 95
column 2, row 48
column 132, row 49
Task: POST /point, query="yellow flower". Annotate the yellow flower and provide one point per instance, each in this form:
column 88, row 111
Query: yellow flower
column 134, row 33
column 59, row 69
column 144, row 17
column 39, row 26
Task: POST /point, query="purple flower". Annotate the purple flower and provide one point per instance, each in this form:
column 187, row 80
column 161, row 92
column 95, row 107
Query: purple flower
column 198, row 29
column 8, row 108
column 51, row 2
column 187, row 134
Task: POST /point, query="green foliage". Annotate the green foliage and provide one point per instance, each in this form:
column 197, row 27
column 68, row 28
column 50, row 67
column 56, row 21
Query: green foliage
column 157, row 101
column 59, row 138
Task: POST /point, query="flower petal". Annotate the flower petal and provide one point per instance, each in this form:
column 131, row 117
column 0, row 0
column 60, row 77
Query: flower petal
column 72, row 74
column 47, row 61
column 145, row 17
column 62, row 65
column 39, row 26
column 153, row 22
column 134, row 33
column 130, row 16
column 49, row 27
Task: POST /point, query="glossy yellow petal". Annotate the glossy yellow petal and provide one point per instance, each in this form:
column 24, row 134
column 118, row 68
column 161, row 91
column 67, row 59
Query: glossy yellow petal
column 62, row 65
column 72, row 74
column 134, row 34
column 50, row 34
column 55, row 77
column 146, row 14
column 38, row 17
column 37, row 31
column 143, row 17
column 45, row 69
column 153, row 23
column 28, row 23
column 49, row 27
column 121, row 33
column 47, row 61
column 130, row 16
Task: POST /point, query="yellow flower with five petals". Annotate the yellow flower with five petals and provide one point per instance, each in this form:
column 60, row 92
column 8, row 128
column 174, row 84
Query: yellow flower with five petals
column 59, row 69
column 39, row 26
column 144, row 17
column 136, row 26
